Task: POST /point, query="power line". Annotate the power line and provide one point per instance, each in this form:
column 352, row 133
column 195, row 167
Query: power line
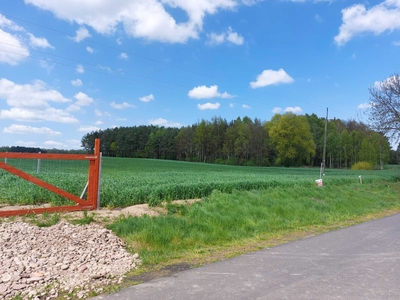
column 143, row 57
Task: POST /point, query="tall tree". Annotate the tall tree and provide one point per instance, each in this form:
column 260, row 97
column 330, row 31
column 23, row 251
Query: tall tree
column 384, row 113
column 292, row 138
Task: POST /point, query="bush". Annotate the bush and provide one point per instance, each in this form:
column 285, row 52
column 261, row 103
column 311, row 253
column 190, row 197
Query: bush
column 362, row 165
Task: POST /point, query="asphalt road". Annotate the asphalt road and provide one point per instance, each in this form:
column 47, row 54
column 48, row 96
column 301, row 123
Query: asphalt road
column 358, row 262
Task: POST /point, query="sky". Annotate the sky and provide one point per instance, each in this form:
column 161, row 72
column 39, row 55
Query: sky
column 71, row 67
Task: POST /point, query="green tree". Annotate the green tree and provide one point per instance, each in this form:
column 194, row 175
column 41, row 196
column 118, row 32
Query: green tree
column 292, row 138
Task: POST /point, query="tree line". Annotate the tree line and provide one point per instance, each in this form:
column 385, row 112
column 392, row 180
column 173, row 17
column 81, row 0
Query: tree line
column 286, row 140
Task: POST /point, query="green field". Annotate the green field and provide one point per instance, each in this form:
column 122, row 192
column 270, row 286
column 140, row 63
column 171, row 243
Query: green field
column 127, row 181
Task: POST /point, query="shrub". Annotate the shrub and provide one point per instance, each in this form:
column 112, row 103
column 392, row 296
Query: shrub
column 362, row 165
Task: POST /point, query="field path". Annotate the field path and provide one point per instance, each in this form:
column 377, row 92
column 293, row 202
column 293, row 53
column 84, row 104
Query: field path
column 358, row 262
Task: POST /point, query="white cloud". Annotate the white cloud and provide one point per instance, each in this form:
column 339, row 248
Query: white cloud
column 36, row 95
column 364, row 105
column 231, row 105
column 246, row 106
column 121, row 119
column 295, row 110
column 38, row 42
column 378, row 19
column 203, row 92
column 208, row 105
column 228, row 36
column 396, row 43
column 98, row 113
column 36, row 115
column 234, row 37
column 318, row 18
column 80, row 69
column 147, row 98
column 83, row 99
column 53, row 144
column 31, row 102
column 89, row 49
column 76, row 82
column 6, row 23
column 149, row 19
column 164, row 122
column 271, row 77
column 277, row 110
column 387, row 82
column 123, row 55
column 74, row 143
column 88, row 128
column 47, row 66
column 99, row 122
column 81, row 34
column 122, row 105
column 9, row 54
column 23, row 129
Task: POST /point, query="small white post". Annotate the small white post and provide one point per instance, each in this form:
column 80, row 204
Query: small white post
column 38, row 165
column 360, row 179
column 5, row 159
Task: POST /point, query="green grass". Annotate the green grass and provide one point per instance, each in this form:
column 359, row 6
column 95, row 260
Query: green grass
column 127, row 181
column 232, row 219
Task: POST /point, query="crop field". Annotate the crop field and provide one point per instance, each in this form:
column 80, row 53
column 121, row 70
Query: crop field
column 127, row 181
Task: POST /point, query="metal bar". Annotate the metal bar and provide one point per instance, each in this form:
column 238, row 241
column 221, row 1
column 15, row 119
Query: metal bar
column 84, row 190
column 21, row 212
column 47, row 156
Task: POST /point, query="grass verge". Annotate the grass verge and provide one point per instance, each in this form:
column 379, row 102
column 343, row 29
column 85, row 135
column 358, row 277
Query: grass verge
column 225, row 225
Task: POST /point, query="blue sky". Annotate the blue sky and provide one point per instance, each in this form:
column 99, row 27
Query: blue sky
column 70, row 67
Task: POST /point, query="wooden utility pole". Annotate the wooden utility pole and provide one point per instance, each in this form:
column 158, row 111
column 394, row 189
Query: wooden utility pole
column 323, row 156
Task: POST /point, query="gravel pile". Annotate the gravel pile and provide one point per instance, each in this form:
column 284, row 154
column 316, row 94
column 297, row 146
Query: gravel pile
column 39, row 263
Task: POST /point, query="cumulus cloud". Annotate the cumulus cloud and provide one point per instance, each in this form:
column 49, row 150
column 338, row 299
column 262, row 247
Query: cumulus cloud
column 364, row 105
column 147, row 98
column 246, row 106
column 23, row 129
column 88, row 128
column 81, row 34
column 208, row 105
column 149, row 20
column 89, row 49
column 9, row 54
column 318, row 18
column 76, row 82
column 79, row 69
column 277, row 110
column 31, row 102
column 123, row 55
column 122, row 105
column 295, row 110
column 228, row 36
column 271, row 77
column 35, row 115
column 36, row 42
column 53, row 144
column 204, row 92
column 357, row 20
column 164, row 122
column 36, row 95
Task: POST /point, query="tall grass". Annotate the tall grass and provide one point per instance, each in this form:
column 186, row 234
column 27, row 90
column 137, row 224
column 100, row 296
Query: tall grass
column 227, row 218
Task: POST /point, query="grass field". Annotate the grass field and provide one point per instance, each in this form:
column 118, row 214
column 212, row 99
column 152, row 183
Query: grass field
column 132, row 181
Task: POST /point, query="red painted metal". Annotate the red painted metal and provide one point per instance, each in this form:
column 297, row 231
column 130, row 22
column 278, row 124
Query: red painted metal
column 92, row 197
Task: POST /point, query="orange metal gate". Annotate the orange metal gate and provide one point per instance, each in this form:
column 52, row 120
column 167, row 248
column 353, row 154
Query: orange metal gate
column 93, row 181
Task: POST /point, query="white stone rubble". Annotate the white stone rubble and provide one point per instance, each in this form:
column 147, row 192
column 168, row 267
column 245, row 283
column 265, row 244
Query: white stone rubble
column 39, row 263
